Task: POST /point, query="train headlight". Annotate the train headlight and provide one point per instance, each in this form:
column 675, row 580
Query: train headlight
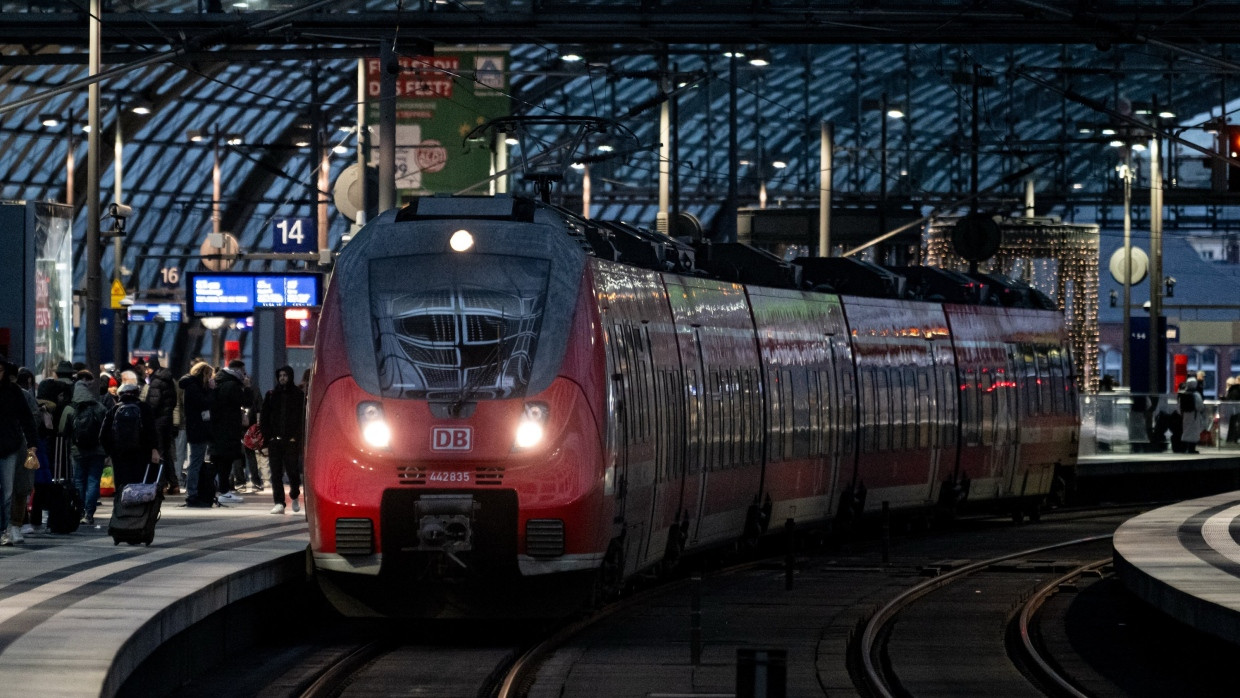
column 375, row 430
column 461, row 240
column 532, row 425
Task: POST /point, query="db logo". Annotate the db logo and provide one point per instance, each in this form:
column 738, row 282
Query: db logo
column 452, row 439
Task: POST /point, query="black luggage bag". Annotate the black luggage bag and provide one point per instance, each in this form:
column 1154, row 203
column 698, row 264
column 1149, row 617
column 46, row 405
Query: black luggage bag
column 60, row 496
column 134, row 521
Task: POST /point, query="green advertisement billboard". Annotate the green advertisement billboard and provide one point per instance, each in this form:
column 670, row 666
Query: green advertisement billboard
column 439, row 99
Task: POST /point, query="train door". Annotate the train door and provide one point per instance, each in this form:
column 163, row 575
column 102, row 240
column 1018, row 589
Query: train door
column 635, row 464
column 695, row 481
column 919, row 381
column 1007, row 408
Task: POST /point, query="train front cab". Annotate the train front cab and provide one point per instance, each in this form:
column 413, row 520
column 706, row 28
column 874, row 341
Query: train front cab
column 453, row 496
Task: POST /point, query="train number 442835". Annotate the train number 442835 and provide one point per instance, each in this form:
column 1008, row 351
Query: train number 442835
column 448, row 476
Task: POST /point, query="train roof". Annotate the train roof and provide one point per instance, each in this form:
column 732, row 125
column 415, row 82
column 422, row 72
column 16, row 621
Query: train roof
column 624, row 243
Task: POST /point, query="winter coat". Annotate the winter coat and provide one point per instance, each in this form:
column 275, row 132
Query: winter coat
column 146, row 440
column 1196, row 421
column 17, row 428
column 231, row 396
column 284, row 411
column 161, row 395
column 197, row 401
column 84, row 397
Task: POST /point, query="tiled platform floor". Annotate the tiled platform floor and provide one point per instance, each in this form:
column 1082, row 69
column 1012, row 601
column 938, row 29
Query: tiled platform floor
column 1185, row 559
column 79, row 614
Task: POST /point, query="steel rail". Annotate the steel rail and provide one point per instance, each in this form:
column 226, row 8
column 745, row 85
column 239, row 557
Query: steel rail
column 1031, row 606
column 879, row 620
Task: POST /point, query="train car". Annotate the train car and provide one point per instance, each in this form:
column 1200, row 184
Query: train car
column 513, row 410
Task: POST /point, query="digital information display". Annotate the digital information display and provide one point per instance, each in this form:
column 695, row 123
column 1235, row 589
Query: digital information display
column 238, row 294
column 156, row 312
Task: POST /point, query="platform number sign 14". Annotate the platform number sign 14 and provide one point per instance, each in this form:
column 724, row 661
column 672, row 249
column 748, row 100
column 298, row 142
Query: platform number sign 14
column 294, row 235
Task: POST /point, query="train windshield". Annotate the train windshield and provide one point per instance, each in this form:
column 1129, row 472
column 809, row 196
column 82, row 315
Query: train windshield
column 448, row 327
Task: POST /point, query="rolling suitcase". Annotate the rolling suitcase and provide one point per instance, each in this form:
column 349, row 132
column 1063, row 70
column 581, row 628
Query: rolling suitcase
column 137, row 510
column 60, row 496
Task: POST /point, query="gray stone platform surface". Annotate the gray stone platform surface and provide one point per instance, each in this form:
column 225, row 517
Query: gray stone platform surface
column 1185, row 559
column 78, row 614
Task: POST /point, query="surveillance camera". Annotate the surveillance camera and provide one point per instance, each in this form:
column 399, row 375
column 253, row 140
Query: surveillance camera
column 120, row 211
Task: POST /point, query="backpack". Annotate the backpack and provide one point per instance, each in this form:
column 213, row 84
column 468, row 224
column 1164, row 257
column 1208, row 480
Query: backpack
column 127, row 426
column 1187, row 403
column 87, row 423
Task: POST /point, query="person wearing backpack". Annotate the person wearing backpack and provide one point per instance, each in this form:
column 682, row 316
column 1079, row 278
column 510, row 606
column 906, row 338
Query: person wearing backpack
column 128, row 437
column 81, row 424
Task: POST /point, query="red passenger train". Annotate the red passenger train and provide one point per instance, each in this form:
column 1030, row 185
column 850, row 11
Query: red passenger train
column 509, row 400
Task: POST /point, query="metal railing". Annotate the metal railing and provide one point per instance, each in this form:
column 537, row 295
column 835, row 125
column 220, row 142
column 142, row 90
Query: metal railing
column 1121, row 422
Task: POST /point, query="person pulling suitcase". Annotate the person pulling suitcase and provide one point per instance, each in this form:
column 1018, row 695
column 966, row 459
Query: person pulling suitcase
column 128, row 436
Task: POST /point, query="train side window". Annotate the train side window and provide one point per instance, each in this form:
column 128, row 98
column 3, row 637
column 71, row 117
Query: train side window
column 908, row 397
column 968, row 406
column 711, row 454
column 732, row 424
column 1029, row 380
column 789, row 409
column 1045, row 406
column 829, row 412
column 693, row 422
column 987, row 396
column 867, row 402
column 892, row 428
column 882, row 410
column 832, row 413
column 814, row 413
column 925, row 412
column 1058, row 380
column 949, row 401
column 756, row 433
column 773, row 425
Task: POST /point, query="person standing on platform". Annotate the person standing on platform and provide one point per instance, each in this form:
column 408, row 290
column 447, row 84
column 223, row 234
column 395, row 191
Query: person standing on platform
column 128, row 437
column 17, row 441
column 161, row 395
column 197, row 386
column 230, row 399
column 81, row 424
column 283, row 423
column 1192, row 411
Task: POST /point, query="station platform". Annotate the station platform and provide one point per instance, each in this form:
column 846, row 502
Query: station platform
column 1165, row 476
column 1185, row 560
column 78, row 615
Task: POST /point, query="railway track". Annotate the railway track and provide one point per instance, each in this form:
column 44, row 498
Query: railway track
column 955, row 634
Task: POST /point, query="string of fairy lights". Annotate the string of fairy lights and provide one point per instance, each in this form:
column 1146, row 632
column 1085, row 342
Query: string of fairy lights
column 1059, row 259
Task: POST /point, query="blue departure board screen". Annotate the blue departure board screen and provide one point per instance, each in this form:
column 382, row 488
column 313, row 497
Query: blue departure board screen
column 238, row 294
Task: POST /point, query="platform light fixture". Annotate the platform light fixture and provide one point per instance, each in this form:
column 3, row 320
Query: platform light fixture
column 760, row 57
